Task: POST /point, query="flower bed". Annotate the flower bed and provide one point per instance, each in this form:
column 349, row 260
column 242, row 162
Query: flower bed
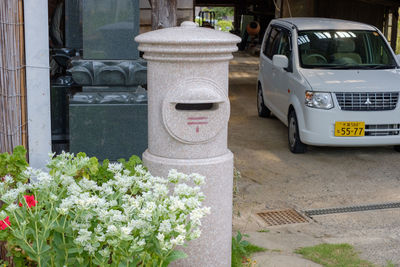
column 83, row 213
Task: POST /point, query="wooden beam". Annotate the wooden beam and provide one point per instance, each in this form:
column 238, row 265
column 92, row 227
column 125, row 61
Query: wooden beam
column 217, row 2
column 163, row 14
column 390, row 3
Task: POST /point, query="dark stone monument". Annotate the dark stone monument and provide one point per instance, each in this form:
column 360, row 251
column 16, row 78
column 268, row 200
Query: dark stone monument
column 73, row 24
column 109, row 29
column 108, row 119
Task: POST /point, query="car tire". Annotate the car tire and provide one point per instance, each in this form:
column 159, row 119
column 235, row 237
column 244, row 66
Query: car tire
column 295, row 144
column 397, row 148
column 263, row 111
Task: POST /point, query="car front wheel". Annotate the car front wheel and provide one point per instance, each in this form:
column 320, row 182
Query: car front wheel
column 295, row 144
column 397, row 148
column 263, row 111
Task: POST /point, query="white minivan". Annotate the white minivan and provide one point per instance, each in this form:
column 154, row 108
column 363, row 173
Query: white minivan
column 332, row 82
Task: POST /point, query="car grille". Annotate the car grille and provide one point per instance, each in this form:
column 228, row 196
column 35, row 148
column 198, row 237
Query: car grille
column 367, row 101
column 382, row 129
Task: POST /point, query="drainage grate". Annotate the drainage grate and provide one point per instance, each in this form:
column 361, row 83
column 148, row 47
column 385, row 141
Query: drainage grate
column 391, row 205
column 279, row 217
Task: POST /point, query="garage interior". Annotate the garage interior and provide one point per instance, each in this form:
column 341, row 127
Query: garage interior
column 272, row 178
column 381, row 13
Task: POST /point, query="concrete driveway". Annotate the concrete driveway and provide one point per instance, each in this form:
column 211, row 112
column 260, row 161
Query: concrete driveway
column 324, row 177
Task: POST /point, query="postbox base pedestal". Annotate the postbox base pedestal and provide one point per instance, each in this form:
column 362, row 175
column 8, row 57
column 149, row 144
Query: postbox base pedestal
column 213, row 248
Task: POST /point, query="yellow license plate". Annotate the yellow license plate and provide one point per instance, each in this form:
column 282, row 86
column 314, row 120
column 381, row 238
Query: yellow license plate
column 349, row 128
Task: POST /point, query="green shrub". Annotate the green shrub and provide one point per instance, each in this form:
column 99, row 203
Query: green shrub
column 226, row 25
column 83, row 213
column 14, row 164
column 242, row 250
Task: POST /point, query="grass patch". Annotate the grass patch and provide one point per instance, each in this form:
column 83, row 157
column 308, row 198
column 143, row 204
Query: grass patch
column 263, row 231
column 242, row 250
column 333, row 255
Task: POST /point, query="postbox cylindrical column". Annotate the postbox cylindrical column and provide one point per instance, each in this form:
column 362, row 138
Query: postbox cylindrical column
column 188, row 124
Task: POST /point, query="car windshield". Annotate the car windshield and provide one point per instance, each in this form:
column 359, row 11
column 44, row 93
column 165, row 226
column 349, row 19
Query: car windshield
column 344, row 50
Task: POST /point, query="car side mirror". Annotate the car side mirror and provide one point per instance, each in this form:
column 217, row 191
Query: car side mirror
column 280, row 61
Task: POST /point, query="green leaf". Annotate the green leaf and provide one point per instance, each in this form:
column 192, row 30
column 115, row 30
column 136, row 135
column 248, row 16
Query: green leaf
column 106, row 162
column 244, row 243
column 19, row 262
column 238, row 237
column 93, row 165
column 4, row 235
column 81, row 155
column 135, row 159
column 74, row 250
column 45, row 248
column 175, row 255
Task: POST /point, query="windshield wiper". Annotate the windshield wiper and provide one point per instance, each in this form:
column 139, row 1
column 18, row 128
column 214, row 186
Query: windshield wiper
column 341, row 67
column 361, row 67
column 384, row 67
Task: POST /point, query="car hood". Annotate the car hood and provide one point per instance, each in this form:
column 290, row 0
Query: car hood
column 352, row 80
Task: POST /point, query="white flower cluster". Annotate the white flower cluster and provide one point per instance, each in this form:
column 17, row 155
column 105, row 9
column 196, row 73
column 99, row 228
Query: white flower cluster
column 11, row 195
column 133, row 208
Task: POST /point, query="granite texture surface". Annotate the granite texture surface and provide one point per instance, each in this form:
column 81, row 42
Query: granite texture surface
column 213, row 248
column 188, row 124
column 162, row 85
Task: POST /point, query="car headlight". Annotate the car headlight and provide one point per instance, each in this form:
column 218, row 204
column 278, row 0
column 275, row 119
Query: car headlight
column 319, row 100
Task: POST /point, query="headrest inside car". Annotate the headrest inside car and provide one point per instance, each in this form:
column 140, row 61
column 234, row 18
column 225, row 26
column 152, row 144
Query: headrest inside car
column 345, row 45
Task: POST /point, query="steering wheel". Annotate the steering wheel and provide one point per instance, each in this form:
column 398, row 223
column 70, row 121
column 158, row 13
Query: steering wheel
column 318, row 57
column 346, row 61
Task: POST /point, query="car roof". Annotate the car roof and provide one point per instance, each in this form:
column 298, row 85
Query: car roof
column 323, row 24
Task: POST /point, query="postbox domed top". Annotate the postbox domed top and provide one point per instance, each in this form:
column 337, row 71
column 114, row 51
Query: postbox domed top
column 187, row 33
column 187, row 43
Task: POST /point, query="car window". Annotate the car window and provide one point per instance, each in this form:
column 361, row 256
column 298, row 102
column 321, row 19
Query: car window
column 379, row 52
column 341, row 49
column 271, row 43
column 265, row 40
column 284, row 47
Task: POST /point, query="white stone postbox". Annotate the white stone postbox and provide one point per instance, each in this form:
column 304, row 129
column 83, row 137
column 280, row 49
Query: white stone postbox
column 189, row 110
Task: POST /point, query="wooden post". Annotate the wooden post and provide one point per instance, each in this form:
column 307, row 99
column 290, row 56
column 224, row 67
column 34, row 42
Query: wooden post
column 24, row 127
column 385, row 24
column 163, row 14
column 395, row 21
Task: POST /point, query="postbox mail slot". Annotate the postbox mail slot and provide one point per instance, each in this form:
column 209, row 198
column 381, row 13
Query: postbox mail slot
column 197, row 115
column 196, row 106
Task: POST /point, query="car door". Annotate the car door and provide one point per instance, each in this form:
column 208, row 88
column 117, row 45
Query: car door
column 268, row 49
column 282, row 76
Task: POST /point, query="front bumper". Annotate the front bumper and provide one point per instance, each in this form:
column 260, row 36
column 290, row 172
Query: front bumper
column 319, row 126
